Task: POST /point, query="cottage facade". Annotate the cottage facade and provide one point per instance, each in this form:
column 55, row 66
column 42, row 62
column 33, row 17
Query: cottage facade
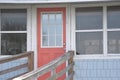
column 50, row 28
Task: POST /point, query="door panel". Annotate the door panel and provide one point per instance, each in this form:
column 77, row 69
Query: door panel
column 51, row 36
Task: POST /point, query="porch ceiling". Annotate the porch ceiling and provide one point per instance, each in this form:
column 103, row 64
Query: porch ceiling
column 51, row 1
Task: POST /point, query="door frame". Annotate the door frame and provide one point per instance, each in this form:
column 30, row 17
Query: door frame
column 34, row 27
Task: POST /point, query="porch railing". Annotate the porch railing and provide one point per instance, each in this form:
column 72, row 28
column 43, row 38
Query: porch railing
column 51, row 67
column 10, row 65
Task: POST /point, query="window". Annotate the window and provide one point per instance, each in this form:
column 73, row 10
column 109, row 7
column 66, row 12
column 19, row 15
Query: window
column 52, row 29
column 13, row 31
column 91, row 32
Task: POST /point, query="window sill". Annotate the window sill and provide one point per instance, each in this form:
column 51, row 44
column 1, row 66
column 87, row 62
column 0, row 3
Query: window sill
column 109, row 56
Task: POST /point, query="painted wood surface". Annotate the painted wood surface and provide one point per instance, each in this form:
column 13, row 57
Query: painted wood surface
column 51, row 66
column 45, row 55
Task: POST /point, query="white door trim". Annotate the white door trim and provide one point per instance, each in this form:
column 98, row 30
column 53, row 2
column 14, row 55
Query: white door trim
column 34, row 26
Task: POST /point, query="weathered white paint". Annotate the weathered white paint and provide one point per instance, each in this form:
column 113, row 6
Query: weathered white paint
column 52, row 1
column 34, row 34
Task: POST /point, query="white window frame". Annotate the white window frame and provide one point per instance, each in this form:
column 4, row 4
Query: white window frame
column 105, row 30
column 55, row 33
column 28, row 27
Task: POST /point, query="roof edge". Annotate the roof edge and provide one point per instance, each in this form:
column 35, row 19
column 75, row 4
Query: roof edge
column 53, row 1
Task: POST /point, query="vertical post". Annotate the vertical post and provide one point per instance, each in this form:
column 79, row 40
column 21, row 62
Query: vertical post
column 31, row 61
column 53, row 73
column 69, row 62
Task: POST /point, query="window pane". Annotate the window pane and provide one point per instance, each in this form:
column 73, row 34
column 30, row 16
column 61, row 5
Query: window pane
column 52, row 18
column 58, row 29
column 44, row 18
column 44, row 29
column 52, row 30
column 13, row 19
column 45, row 40
column 89, row 18
column 59, row 18
column 89, row 43
column 51, row 40
column 58, row 40
column 113, row 17
column 12, row 44
column 114, row 42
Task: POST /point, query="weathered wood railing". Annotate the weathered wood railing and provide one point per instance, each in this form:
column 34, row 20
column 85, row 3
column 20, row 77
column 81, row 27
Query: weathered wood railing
column 68, row 58
column 13, row 64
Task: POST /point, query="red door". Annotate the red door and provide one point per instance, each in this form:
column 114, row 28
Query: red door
column 51, row 36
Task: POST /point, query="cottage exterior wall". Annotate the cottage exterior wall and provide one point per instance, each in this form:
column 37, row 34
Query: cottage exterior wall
column 95, row 67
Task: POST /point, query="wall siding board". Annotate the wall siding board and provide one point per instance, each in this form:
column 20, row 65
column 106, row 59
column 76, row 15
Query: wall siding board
column 12, row 74
column 97, row 69
column 13, row 64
